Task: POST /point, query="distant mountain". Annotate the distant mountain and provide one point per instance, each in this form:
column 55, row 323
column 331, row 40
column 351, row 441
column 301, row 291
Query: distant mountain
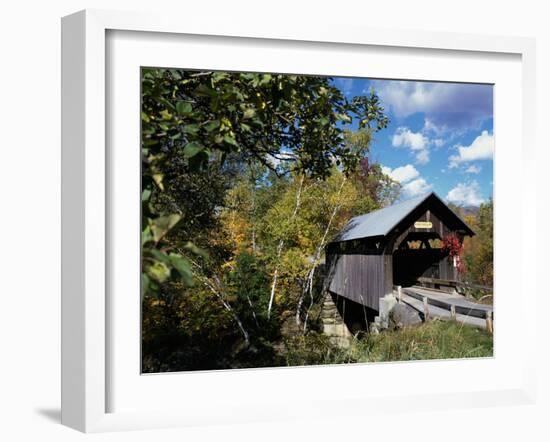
column 470, row 210
column 464, row 210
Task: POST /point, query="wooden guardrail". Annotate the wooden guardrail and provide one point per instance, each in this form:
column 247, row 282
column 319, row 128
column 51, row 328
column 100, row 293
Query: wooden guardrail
column 462, row 310
column 449, row 283
column 453, row 308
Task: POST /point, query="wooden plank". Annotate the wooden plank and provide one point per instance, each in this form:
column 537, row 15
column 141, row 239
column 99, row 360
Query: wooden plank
column 436, row 312
column 426, row 309
column 478, row 311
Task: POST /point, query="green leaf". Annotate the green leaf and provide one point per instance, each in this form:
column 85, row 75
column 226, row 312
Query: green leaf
column 145, row 117
column 212, row 125
column 144, row 284
column 192, row 149
column 146, row 194
column 158, row 177
column 158, row 271
column 344, row 117
column 229, row 139
column 266, row 78
column 217, row 76
column 225, row 123
column 146, row 236
column 195, row 250
column 205, row 91
column 184, row 108
column 183, row 267
column 166, row 115
column 199, row 160
column 191, row 129
column 160, row 256
column 249, row 113
column 162, row 225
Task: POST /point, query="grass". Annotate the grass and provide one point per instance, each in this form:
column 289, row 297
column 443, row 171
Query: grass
column 431, row 340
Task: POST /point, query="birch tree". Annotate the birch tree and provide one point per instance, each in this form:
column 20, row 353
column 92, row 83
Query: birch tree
column 280, row 246
column 215, row 285
column 308, row 287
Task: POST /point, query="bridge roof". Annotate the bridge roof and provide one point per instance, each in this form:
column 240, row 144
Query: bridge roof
column 383, row 221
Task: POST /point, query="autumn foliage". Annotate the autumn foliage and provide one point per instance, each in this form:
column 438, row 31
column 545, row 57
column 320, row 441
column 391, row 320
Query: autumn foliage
column 453, row 246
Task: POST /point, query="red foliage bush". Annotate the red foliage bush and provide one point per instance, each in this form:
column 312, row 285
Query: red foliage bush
column 454, row 247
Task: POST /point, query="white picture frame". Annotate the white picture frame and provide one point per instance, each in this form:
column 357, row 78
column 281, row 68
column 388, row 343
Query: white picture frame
column 86, row 315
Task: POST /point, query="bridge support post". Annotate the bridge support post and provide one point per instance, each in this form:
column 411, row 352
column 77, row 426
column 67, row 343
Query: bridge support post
column 489, row 321
column 426, row 309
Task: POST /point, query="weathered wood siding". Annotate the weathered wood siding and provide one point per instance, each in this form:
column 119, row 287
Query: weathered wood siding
column 438, row 227
column 360, row 278
column 447, row 270
column 388, row 275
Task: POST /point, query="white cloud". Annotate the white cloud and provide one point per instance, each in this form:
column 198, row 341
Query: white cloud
column 465, row 194
column 482, row 148
column 404, row 137
column 412, row 184
column 473, row 169
column 430, row 126
column 423, row 157
column 416, row 187
column 447, row 106
column 417, row 142
column 401, row 174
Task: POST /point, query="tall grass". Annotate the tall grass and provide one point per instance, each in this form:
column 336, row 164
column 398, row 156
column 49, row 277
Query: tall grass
column 431, row 340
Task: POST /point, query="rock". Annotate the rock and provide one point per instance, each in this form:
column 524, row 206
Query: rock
column 374, row 327
column 333, row 325
column 386, row 304
column 336, row 330
column 403, row 315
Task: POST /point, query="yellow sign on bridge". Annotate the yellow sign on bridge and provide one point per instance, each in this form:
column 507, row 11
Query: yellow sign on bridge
column 423, row 225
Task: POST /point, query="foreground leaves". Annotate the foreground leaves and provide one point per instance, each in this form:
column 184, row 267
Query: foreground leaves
column 192, row 120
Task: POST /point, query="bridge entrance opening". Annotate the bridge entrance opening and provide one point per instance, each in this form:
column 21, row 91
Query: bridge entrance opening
column 420, row 254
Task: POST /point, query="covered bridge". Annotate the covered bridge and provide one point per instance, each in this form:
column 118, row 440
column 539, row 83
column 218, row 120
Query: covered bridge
column 392, row 246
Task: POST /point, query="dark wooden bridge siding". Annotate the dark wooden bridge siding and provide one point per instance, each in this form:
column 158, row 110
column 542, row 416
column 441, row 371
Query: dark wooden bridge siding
column 360, row 278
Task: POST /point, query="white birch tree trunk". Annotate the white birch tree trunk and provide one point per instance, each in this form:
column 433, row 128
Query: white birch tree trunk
column 253, row 310
column 218, row 293
column 308, row 288
column 235, row 318
column 280, row 249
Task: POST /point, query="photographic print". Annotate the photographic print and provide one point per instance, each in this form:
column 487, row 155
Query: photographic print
column 294, row 220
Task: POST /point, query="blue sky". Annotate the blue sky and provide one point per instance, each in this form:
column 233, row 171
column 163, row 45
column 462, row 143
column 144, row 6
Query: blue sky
column 440, row 137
